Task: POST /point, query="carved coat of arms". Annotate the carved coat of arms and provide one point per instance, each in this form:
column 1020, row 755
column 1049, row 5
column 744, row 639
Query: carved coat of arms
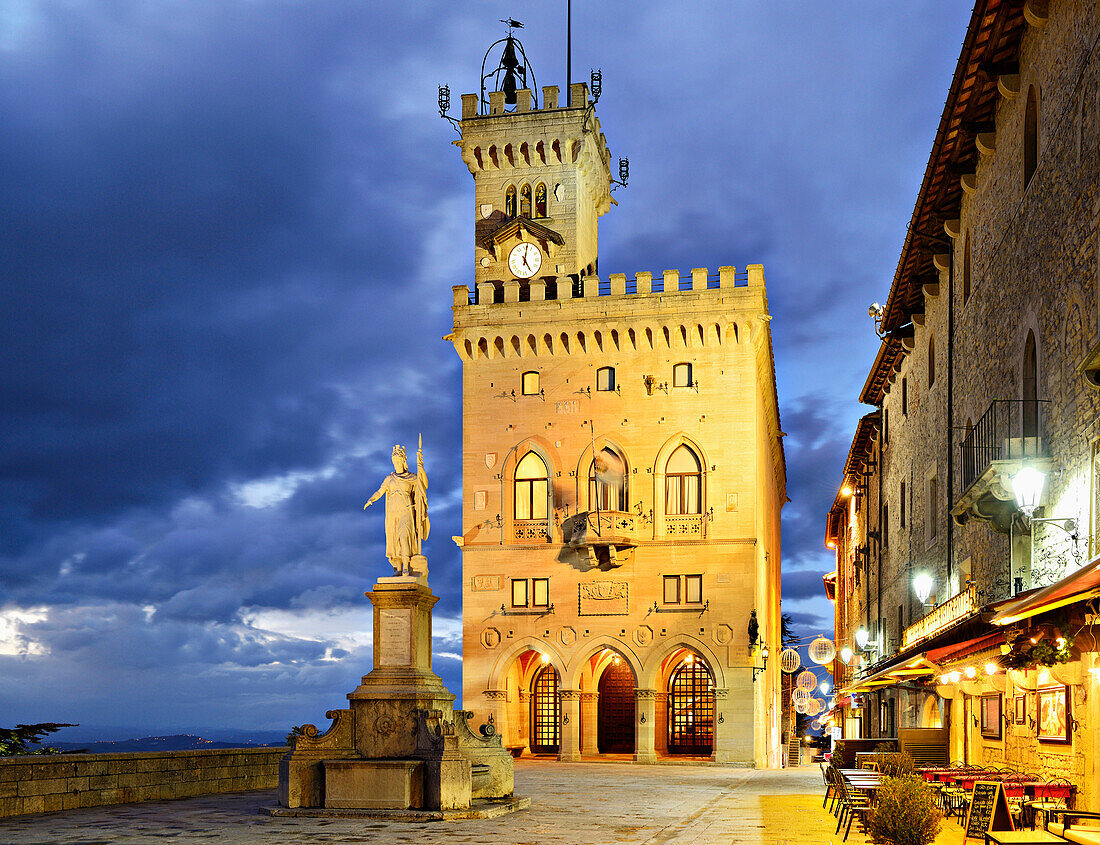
column 490, row 460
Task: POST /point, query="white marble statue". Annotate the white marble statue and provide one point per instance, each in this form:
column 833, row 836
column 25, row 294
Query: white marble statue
column 406, row 509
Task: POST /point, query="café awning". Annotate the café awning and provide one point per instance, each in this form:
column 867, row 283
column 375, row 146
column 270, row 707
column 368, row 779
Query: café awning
column 911, row 670
column 1081, row 585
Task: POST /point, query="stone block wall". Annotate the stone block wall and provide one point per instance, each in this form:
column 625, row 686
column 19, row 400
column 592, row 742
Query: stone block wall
column 46, row 784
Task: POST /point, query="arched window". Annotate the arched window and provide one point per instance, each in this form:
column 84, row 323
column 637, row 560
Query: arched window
column 510, row 201
column 1030, row 388
column 605, row 378
column 525, row 201
column 531, row 488
column 683, row 483
column 1031, row 135
column 931, row 360
column 681, row 375
column 691, row 708
column 540, row 200
column 607, row 482
column 545, row 712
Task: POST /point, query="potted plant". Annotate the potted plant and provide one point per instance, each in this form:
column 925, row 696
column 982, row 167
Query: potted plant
column 905, row 813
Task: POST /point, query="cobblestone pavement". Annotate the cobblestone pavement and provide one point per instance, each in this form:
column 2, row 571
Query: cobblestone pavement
column 570, row 803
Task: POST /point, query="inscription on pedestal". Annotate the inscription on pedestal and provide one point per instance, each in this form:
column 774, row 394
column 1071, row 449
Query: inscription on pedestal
column 394, row 640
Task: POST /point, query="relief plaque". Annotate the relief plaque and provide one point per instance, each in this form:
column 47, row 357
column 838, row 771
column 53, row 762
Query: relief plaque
column 395, row 637
column 604, row 598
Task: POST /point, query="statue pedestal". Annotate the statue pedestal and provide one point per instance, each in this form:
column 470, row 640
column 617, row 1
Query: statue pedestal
column 399, row 745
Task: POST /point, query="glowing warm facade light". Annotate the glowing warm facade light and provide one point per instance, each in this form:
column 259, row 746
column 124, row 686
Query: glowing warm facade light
column 861, row 637
column 545, row 658
column 923, row 584
column 846, row 655
column 846, row 491
column 971, row 671
column 955, row 676
column 991, row 668
column 1027, row 485
column 824, row 687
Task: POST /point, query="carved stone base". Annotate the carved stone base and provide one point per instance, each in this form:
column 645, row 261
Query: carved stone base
column 399, row 745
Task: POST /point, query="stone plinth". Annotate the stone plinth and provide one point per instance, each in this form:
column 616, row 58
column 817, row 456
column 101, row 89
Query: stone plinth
column 374, row 784
column 399, row 746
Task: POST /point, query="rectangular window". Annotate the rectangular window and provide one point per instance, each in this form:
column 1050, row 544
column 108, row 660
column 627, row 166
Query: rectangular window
column 933, row 509
column 530, row 383
column 605, row 378
column 672, row 589
column 681, row 375
column 904, row 397
column 540, row 592
column 885, row 427
column 885, row 526
column 693, row 589
column 902, row 503
column 519, row 592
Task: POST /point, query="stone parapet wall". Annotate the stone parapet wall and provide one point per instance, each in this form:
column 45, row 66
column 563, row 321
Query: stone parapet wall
column 45, row 784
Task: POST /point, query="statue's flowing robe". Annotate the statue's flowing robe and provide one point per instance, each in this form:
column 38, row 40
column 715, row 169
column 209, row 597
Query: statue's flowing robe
column 406, row 514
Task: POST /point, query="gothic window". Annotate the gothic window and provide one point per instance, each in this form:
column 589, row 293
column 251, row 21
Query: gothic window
column 605, row 378
column 681, row 375
column 545, row 712
column 510, row 201
column 1031, row 135
column 683, row 483
column 540, row 200
column 530, row 383
column 904, row 397
column 607, row 482
column 691, row 708
column 902, row 503
column 531, row 488
column 525, row 201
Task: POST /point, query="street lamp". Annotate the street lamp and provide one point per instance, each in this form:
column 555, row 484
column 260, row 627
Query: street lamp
column 861, row 638
column 923, row 584
column 756, row 670
column 1027, row 485
column 846, row 655
column 824, row 687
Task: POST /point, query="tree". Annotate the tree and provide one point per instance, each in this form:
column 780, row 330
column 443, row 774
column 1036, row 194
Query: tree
column 24, row 739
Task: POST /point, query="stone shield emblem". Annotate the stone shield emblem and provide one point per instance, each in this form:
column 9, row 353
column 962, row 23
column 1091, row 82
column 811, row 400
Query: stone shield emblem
column 490, row 460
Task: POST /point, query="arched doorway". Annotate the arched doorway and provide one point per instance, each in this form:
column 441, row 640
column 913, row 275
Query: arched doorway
column 545, row 712
column 691, row 707
column 615, row 718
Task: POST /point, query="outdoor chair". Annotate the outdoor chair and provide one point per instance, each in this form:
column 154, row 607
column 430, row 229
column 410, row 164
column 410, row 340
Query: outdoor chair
column 1070, row 829
column 853, row 803
column 1057, row 794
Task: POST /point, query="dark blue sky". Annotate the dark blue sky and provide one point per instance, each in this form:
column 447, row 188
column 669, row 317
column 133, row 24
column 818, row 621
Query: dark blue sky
column 229, row 232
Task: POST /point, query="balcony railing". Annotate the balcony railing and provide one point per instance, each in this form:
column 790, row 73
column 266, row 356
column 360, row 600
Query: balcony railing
column 1011, row 429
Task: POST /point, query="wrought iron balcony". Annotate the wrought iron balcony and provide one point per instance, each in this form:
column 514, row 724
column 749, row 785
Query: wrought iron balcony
column 1009, row 434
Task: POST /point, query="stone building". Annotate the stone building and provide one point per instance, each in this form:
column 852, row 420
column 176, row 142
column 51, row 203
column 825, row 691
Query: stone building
column 623, row 468
column 987, row 366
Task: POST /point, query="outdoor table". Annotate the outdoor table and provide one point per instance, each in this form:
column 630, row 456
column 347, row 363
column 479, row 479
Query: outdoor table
column 1020, row 837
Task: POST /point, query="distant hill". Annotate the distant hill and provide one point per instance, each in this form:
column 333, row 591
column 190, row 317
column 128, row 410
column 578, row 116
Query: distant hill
column 173, row 742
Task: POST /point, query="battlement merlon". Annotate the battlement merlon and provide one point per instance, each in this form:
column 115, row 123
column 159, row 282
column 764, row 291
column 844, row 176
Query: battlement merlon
column 525, row 137
column 496, row 311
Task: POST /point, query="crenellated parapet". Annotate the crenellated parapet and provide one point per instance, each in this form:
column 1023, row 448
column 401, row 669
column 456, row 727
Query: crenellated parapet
column 513, row 319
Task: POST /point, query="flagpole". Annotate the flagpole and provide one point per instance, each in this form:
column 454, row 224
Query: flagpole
column 568, row 52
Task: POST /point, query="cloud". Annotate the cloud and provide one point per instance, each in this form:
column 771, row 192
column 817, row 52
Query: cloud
column 230, row 233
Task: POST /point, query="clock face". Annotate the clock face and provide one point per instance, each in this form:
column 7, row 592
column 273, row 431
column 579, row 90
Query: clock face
column 524, row 260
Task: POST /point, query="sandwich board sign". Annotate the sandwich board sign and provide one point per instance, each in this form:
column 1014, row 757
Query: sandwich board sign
column 988, row 811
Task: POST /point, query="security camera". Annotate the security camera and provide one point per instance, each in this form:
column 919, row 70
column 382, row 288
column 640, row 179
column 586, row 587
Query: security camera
column 876, row 311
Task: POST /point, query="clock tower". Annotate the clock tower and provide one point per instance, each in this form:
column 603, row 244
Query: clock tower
column 622, row 463
column 541, row 181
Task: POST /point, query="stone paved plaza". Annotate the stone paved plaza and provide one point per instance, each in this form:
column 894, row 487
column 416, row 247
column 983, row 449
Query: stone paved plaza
column 571, row 803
